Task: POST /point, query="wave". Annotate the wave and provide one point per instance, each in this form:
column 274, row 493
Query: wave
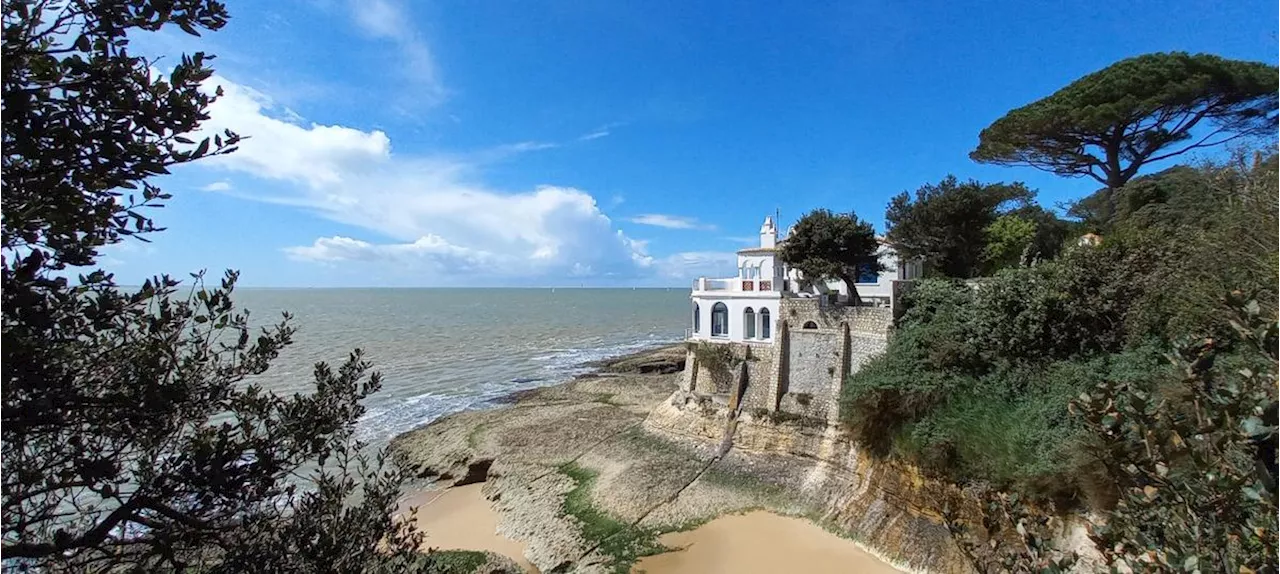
column 553, row 366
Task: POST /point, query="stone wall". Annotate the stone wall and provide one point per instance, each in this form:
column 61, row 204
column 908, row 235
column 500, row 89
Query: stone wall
column 798, row 311
column 753, row 369
column 816, row 360
column 762, row 374
column 862, row 347
column 801, row 371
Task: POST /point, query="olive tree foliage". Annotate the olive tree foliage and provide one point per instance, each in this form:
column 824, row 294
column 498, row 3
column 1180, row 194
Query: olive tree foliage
column 1109, row 124
column 825, row 245
column 1195, row 462
column 134, row 434
column 1192, row 460
column 945, row 223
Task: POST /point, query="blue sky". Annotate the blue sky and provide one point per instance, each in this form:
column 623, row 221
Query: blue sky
column 483, row 143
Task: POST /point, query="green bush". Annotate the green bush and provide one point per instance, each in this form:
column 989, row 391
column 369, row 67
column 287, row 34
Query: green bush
column 1011, row 428
column 975, row 382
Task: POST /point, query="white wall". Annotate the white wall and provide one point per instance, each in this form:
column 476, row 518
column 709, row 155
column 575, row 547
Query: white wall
column 894, row 269
column 768, row 270
column 736, row 308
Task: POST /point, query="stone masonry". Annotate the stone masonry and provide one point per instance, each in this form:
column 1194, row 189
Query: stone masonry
column 803, row 370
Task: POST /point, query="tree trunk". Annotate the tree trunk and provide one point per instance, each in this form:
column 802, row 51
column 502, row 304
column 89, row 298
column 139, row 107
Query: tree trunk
column 849, row 282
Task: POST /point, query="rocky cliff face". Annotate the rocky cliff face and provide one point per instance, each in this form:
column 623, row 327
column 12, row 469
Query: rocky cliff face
column 890, row 510
column 643, row 457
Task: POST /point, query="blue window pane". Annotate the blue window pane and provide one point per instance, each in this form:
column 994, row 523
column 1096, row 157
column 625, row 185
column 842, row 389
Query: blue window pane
column 867, row 275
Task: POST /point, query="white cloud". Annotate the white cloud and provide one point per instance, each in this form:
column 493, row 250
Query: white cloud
column 436, row 214
column 527, row 146
column 389, row 20
column 430, row 251
column 317, row 155
column 669, row 221
column 217, row 186
column 599, row 132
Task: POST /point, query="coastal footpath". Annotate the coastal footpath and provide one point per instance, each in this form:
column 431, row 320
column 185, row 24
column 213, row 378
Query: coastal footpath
column 588, row 474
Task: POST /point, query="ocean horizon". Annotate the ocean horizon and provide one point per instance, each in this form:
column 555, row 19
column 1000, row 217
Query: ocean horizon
column 443, row 350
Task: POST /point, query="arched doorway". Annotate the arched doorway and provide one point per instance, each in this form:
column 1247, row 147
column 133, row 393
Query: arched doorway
column 766, row 329
column 697, row 318
column 748, row 323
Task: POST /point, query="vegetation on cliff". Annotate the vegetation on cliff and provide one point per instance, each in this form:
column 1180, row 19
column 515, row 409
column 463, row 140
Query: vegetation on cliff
column 1118, row 377
column 133, row 437
column 621, row 542
column 968, row 229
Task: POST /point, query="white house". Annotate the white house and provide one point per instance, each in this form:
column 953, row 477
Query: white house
column 745, row 308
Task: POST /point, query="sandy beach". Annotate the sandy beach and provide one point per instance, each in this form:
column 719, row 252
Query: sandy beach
column 760, row 543
column 461, row 519
column 752, row 543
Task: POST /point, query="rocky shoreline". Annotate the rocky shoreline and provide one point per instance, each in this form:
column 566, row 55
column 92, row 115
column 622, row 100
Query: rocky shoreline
column 590, row 472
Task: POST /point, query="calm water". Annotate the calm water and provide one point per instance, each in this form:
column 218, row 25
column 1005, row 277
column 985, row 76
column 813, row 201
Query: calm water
column 445, row 350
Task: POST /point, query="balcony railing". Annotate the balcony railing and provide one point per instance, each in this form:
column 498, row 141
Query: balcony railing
column 736, row 284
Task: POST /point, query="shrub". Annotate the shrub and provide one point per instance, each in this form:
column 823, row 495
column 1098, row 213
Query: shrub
column 975, row 383
column 1191, row 454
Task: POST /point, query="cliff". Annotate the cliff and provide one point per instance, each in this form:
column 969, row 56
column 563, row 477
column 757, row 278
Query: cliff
column 891, row 511
column 588, row 473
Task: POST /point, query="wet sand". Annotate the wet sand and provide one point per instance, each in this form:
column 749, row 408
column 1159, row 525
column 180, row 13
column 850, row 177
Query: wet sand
column 460, row 519
column 761, row 543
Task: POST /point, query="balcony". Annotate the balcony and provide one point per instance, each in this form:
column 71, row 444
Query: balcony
column 737, row 285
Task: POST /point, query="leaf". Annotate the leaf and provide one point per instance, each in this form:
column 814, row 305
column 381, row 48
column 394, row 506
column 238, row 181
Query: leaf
column 1250, row 493
column 1252, row 307
column 1253, row 426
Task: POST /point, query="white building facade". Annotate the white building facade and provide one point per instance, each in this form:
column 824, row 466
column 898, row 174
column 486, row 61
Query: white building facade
column 746, row 308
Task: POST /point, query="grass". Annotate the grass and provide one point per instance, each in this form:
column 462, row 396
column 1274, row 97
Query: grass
column 644, row 440
column 775, row 494
column 608, row 399
column 473, row 437
column 621, row 542
column 454, row 561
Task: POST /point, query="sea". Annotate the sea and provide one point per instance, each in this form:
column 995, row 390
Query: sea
column 443, row 351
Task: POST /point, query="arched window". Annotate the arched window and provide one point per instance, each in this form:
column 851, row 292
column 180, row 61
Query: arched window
column 749, row 323
column 719, row 320
column 810, row 325
column 765, row 327
column 697, row 318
